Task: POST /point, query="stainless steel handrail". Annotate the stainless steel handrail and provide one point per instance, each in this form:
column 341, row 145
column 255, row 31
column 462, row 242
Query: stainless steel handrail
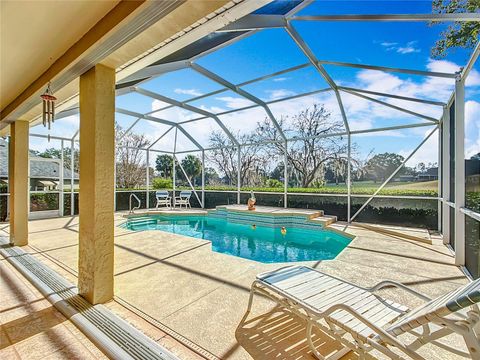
column 132, row 210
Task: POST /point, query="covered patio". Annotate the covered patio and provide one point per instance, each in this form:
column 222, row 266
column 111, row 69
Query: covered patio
column 233, row 100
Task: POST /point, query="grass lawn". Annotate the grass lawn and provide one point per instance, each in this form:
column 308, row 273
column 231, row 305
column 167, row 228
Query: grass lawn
column 412, row 185
column 425, row 188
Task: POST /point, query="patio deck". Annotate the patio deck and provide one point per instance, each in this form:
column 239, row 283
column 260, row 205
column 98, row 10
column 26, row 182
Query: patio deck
column 183, row 287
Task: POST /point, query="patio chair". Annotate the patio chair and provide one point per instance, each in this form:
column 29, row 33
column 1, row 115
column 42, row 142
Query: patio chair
column 183, row 199
column 362, row 321
column 163, row 198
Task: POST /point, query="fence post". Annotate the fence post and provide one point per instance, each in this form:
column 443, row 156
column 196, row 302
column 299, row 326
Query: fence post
column 203, row 178
column 147, row 201
column 239, row 164
column 61, row 175
column 72, row 179
column 285, row 176
column 459, row 170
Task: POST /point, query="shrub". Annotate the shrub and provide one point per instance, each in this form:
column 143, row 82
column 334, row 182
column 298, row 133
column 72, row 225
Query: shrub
column 332, row 190
column 45, row 201
column 473, row 201
column 273, row 183
column 3, row 203
column 161, row 183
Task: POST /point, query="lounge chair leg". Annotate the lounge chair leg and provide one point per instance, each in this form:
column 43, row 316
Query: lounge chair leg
column 250, row 299
column 335, row 356
column 473, row 344
column 310, row 342
column 249, row 306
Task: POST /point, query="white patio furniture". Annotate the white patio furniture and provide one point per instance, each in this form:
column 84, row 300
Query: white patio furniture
column 363, row 321
column 163, row 199
column 183, row 199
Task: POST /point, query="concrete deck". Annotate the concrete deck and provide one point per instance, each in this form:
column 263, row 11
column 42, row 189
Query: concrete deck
column 186, row 289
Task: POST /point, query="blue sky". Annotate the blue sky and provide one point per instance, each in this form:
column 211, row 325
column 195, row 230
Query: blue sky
column 393, row 44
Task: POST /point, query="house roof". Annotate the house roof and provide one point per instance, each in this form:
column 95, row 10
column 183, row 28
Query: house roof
column 38, row 168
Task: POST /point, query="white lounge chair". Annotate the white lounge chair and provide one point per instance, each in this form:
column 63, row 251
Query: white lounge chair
column 163, row 199
column 363, row 321
column 183, row 199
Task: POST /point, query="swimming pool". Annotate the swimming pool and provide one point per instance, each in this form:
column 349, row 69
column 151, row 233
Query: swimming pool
column 266, row 244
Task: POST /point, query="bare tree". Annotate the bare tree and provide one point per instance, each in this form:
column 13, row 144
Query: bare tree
column 130, row 159
column 225, row 156
column 308, row 157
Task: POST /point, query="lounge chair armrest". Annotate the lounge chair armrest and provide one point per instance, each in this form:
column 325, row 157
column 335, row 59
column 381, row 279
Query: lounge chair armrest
column 380, row 333
column 338, row 307
column 387, row 283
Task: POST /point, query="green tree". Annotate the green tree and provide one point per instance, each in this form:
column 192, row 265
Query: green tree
column 278, row 172
column 192, row 166
column 381, row 166
column 161, row 183
column 211, row 176
column 273, row 183
column 164, row 165
column 458, row 34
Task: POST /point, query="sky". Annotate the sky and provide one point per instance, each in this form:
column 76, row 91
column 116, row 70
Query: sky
column 392, row 44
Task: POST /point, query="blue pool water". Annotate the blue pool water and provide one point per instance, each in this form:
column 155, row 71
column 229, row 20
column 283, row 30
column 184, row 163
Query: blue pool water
column 264, row 244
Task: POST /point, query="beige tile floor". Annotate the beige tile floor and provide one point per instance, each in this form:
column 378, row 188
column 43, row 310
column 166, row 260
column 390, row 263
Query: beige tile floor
column 30, row 328
column 202, row 295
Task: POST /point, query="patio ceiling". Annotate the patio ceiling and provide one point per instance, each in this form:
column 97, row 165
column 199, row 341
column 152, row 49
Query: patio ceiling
column 129, row 37
column 24, row 27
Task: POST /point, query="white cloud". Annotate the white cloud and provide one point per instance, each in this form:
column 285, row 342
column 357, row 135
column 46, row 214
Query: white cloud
column 428, row 153
column 193, row 92
column 279, row 93
column 473, row 78
column 234, row 102
column 388, row 44
column 472, row 128
column 442, row 66
column 279, row 79
column 408, row 48
column 472, row 113
column 157, row 104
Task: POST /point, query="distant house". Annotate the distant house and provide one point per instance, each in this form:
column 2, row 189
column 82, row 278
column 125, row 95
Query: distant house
column 44, row 173
column 405, row 178
column 428, row 175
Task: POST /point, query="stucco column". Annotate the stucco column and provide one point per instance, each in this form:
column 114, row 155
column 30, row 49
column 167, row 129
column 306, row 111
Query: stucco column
column 97, row 156
column 18, row 182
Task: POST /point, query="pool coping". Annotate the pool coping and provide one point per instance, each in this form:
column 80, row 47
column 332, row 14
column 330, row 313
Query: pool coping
column 312, row 216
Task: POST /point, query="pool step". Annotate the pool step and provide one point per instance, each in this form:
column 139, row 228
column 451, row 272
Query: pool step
column 141, row 221
column 325, row 220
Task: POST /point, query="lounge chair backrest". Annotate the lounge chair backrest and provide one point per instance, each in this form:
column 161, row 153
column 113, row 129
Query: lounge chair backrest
column 446, row 304
column 185, row 194
column 161, row 194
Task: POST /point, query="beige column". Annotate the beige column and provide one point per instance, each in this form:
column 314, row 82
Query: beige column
column 97, row 156
column 18, row 182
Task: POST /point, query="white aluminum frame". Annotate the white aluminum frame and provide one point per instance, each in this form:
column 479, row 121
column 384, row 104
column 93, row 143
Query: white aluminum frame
column 256, row 22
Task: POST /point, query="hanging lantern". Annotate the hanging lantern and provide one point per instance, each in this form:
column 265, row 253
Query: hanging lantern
column 48, row 115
